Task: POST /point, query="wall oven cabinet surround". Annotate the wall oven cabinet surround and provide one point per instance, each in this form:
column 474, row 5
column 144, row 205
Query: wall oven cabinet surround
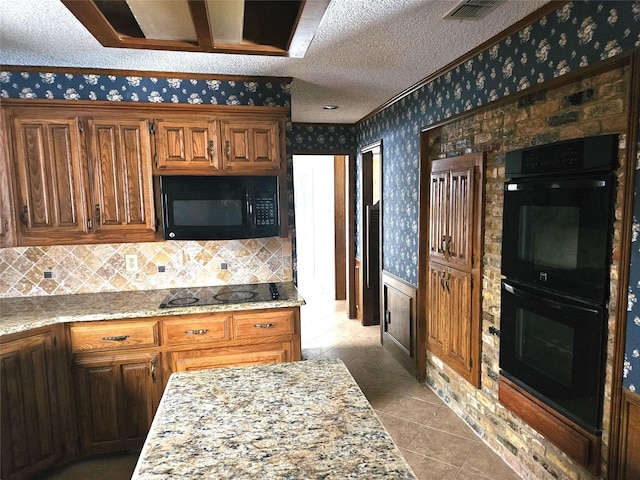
column 81, row 178
column 455, row 245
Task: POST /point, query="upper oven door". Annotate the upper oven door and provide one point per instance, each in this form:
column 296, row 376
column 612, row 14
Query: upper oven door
column 556, row 234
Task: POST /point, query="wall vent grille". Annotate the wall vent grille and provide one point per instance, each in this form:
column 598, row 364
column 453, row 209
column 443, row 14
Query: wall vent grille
column 472, row 9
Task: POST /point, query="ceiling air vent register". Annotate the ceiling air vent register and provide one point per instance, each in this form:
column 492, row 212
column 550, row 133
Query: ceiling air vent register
column 472, row 9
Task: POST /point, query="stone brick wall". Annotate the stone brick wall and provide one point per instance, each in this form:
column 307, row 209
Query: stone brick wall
column 593, row 106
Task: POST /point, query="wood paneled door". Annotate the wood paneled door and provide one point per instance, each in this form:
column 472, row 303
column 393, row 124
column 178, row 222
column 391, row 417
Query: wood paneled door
column 452, row 300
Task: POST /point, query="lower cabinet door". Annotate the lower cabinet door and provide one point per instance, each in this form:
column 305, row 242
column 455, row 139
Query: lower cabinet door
column 117, row 399
column 231, row 357
column 30, row 432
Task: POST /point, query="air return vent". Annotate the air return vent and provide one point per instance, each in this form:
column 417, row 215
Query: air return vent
column 472, row 9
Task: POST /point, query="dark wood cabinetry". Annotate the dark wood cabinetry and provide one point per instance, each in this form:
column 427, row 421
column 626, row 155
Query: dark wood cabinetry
column 81, row 179
column 83, row 173
column 455, row 242
column 187, row 145
column 250, row 145
column 117, row 396
column 121, row 185
column 31, row 420
column 50, row 179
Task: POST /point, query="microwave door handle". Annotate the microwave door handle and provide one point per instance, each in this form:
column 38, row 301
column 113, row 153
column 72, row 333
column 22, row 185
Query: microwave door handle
column 548, row 302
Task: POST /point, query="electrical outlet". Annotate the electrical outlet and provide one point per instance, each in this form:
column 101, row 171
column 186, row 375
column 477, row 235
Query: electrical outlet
column 131, row 263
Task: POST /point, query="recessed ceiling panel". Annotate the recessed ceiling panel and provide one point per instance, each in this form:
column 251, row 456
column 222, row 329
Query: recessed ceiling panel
column 164, row 19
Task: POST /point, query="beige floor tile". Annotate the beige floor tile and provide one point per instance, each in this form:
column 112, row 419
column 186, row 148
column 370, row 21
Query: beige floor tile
column 442, row 446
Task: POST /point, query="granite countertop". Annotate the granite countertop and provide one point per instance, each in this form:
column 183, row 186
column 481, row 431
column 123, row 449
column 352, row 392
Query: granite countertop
column 19, row 314
column 300, row 420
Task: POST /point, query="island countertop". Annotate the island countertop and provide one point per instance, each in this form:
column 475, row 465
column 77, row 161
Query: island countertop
column 19, row 314
column 300, row 420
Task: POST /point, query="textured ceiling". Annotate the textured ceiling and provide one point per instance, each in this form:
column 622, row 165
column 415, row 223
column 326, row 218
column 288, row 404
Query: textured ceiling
column 364, row 53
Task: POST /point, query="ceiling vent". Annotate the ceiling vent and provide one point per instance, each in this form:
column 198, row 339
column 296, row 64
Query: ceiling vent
column 472, row 9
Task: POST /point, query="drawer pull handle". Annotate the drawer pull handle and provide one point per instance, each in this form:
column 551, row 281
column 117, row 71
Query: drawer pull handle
column 119, row 338
column 196, row 332
column 264, row 325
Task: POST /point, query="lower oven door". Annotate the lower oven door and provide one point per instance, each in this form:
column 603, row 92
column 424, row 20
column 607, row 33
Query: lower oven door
column 553, row 347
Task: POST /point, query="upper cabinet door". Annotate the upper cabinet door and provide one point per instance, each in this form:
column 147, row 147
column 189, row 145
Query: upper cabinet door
column 122, row 189
column 250, row 145
column 187, row 146
column 451, row 208
column 50, row 181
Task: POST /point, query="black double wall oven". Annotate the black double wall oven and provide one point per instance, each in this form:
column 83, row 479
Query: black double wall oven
column 556, row 251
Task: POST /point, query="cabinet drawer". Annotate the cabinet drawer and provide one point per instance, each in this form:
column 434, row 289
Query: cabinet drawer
column 231, row 357
column 194, row 329
column 263, row 324
column 109, row 335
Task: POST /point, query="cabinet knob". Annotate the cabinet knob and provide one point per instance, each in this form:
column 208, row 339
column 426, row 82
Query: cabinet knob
column 264, row 325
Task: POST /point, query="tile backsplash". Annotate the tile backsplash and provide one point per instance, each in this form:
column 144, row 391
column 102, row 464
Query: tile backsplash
column 70, row 269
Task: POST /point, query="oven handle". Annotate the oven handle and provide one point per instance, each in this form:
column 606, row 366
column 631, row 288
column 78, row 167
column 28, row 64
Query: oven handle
column 553, row 184
column 546, row 301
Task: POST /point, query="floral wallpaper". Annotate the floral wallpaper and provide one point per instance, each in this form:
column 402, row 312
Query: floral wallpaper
column 574, row 36
column 114, row 88
column 631, row 371
column 321, row 137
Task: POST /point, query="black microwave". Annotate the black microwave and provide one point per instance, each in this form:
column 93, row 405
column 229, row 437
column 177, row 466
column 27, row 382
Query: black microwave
column 219, row 208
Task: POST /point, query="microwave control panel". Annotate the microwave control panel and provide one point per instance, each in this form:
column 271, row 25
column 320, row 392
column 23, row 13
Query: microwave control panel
column 266, row 211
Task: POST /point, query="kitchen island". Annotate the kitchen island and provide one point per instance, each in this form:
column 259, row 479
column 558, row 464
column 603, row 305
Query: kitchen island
column 301, row 420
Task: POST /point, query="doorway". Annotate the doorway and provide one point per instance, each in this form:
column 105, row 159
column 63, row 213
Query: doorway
column 319, row 202
column 369, row 269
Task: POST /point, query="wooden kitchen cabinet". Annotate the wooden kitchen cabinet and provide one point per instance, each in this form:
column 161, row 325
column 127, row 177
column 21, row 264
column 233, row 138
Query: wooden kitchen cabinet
column 452, row 206
column 81, row 179
column 454, row 274
column 187, row 146
column 250, row 145
column 243, row 338
column 121, row 191
column 31, row 388
column 50, row 180
column 117, row 396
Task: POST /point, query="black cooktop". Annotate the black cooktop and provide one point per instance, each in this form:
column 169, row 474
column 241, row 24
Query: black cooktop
column 223, row 294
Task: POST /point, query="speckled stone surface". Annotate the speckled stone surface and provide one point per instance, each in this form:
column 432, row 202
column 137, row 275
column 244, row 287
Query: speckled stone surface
column 19, row 314
column 300, row 420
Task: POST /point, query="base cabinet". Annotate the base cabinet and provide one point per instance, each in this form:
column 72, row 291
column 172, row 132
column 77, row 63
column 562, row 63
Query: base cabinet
column 30, row 429
column 93, row 387
column 117, row 397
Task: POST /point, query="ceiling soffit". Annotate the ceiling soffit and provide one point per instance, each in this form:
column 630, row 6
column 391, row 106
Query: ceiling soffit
column 254, row 27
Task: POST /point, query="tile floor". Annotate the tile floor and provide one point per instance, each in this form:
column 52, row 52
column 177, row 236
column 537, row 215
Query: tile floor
column 435, row 441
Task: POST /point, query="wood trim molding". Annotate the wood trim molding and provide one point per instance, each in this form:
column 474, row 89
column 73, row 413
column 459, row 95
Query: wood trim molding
column 89, row 107
column 617, row 395
column 628, row 462
column 143, row 73
column 576, row 442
